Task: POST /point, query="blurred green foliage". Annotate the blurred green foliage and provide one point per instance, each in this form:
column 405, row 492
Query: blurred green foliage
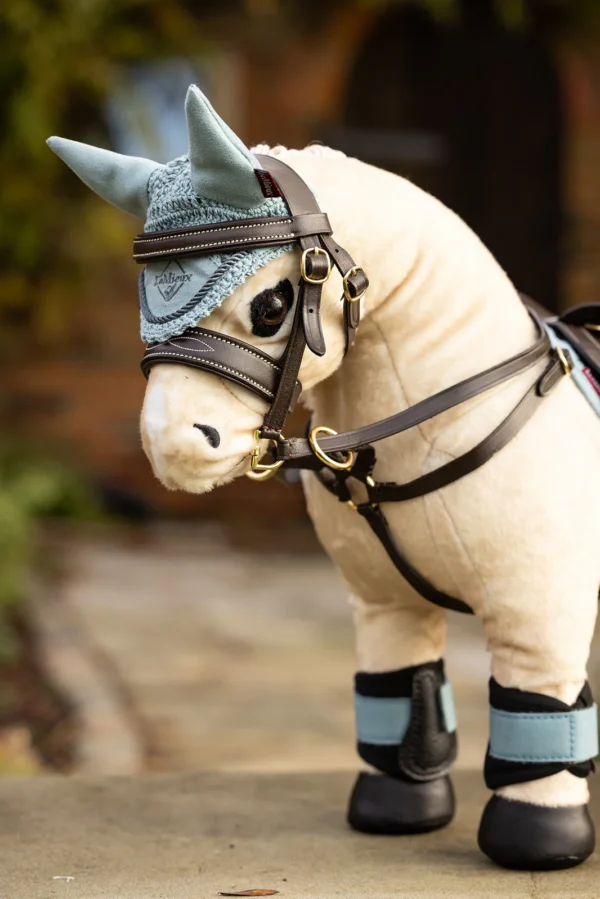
column 31, row 488
column 59, row 61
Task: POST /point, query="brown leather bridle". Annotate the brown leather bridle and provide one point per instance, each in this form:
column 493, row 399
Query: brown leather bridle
column 275, row 381
column 337, row 459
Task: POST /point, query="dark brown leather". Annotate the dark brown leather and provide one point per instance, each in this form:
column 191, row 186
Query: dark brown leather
column 226, row 237
column 298, row 447
column 224, row 356
column 480, row 454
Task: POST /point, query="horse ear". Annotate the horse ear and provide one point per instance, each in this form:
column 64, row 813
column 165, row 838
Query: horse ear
column 122, row 180
column 222, row 168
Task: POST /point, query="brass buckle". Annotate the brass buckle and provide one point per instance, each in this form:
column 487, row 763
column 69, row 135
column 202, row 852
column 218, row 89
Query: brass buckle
column 564, row 361
column 350, row 502
column 261, row 471
column 592, row 327
column 346, row 465
column 303, row 272
column 353, row 271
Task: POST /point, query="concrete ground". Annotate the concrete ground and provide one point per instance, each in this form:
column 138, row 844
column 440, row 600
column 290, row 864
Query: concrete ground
column 233, row 680
column 191, row 836
column 227, row 663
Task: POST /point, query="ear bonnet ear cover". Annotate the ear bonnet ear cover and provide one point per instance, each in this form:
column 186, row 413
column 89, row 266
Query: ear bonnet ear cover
column 214, row 182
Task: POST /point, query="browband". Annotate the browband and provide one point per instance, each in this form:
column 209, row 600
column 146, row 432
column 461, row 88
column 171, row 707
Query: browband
column 246, row 234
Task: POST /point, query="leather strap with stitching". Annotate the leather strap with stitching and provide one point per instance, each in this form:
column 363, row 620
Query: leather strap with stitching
column 245, row 234
column 229, row 358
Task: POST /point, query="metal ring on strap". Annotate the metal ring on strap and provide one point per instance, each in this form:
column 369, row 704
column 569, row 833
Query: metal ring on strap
column 261, row 471
column 353, row 271
column 346, row 465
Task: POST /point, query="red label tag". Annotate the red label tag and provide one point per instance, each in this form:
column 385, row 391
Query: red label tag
column 589, row 375
column 267, row 183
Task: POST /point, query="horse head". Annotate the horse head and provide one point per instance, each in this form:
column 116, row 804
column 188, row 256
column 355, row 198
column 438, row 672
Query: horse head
column 198, row 425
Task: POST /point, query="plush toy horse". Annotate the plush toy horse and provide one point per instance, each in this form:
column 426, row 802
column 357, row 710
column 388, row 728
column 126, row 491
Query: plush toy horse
column 448, row 370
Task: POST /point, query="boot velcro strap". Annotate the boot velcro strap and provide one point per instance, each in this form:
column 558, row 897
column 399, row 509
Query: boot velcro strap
column 384, row 720
column 566, row 737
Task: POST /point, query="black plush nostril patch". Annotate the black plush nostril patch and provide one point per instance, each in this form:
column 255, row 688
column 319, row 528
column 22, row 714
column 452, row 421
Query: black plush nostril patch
column 211, row 434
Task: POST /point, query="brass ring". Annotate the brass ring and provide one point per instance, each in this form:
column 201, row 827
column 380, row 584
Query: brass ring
column 370, row 483
column 346, row 465
column 261, row 471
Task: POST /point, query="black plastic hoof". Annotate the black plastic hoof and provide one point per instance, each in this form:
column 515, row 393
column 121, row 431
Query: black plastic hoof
column 386, row 805
column 534, row 837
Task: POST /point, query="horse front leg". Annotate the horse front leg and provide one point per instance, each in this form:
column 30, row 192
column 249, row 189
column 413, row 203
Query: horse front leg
column 406, row 726
column 543, row 725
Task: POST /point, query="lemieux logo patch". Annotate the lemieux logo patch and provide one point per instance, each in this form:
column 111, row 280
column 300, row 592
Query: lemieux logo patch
column 170, row 281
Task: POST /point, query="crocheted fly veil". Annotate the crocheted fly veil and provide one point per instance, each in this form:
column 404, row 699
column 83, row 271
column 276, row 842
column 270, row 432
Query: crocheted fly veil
column 218, row 180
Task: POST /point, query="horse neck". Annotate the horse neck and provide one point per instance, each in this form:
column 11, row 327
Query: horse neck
column 439, row 307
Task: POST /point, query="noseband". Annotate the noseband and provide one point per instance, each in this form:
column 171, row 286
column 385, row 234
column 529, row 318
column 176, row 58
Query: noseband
column 337, row 459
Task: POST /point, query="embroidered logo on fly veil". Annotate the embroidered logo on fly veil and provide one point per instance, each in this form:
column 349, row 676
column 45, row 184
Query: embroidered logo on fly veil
column 171, row 279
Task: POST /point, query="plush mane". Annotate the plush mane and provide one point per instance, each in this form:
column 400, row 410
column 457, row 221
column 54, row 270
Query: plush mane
column 317, row 151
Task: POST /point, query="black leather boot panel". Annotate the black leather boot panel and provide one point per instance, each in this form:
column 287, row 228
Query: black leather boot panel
column 420, row 743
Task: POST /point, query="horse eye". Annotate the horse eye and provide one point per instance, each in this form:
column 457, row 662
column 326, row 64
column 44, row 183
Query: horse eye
column 269, row 309
column 276, row 311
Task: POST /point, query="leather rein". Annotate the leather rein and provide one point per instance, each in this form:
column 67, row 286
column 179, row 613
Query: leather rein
column 337, row 459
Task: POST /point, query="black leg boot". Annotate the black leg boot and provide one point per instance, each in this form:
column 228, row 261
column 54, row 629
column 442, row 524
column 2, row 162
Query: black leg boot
column 406, row 729
column 533, row 736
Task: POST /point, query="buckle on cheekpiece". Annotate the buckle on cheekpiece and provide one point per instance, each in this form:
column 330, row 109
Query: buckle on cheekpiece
column 310, row 263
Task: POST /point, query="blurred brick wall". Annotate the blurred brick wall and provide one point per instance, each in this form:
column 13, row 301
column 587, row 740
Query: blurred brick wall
column 83, row 400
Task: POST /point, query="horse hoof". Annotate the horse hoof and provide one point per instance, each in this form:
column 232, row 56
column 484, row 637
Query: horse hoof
column 387, row 805
column 534, row 837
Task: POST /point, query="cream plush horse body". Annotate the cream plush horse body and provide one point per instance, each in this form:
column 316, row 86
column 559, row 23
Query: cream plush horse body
column 518, row 539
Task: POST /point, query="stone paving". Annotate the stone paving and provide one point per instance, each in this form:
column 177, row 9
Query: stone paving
column 193, row 836
column 231, row 665
column 236, row 679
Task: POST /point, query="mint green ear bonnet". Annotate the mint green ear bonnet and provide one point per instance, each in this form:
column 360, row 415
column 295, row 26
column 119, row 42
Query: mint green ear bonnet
column 215, row 182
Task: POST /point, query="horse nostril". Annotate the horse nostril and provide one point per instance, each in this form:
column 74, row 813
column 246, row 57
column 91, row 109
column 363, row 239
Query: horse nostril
column 211, row 434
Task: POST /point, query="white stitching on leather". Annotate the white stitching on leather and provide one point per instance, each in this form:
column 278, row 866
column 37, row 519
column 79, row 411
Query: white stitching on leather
column 229, row 343
column 231, row 371
column 206, row 246
column 225, row 227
